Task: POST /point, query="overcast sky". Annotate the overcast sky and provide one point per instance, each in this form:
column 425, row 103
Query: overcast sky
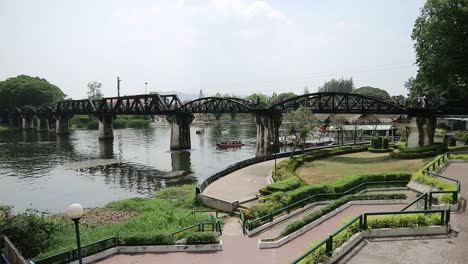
column 236, row 46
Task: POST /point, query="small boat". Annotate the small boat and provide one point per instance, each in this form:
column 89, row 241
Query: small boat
column 224, row 132
column 200, row 132
column 230, row 144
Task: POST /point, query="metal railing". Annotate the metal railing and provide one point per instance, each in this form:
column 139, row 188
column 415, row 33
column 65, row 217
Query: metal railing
column 250, row 224
column 248, row 162
column 87, row 250
column 12, row 254
column 362, row 221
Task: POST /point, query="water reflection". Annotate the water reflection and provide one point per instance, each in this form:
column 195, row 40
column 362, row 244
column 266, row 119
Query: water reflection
column 35, row 167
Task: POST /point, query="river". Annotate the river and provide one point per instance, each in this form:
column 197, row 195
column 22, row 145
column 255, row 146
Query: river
column 44, row 171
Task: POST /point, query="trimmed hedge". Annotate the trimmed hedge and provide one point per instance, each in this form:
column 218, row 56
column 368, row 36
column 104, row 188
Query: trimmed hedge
column 202, row 238
column 296, row 225
column 373, row 150
column 385, row 143
column 288, row 184
column 278, row 200
column 419, row 152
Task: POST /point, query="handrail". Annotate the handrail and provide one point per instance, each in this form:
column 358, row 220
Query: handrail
column 424, row 195
column 363, row 225
column 303, row 202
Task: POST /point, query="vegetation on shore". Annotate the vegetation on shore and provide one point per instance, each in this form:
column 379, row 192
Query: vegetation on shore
column 151, row 220
column 91, row 123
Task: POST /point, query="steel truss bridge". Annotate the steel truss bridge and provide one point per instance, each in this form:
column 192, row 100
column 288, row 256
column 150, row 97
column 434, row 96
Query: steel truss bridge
column 156, row 104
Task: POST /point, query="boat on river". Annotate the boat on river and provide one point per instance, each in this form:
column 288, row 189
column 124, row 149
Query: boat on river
column 230, row 144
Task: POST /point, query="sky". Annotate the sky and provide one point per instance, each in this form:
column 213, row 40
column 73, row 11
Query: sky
column 229, row 46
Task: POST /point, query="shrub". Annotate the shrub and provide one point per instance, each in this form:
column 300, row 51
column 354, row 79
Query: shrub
column 385, row 143
column 92, row 125
column 142, row 239
column 452, row 141
column 31, row 232
column 380, row 150
column 120, row 123
column 466, row 139
column 284, row 185
column 138, row 123
column 438, row 147
column 202, row 238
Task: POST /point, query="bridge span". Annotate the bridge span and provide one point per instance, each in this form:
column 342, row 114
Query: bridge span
column 421, row 121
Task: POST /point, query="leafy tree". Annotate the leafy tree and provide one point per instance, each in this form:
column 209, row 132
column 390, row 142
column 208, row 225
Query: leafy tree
column 261, row 98
column 301, row 122
column 372, row 91
column 282, row 97
column 338, row 121
column 26, row 90
column 94, row 91
column 306, row 90
column 341, row 85
column 441, row 42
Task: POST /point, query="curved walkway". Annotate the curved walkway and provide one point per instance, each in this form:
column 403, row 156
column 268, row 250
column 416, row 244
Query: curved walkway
column 425, row 250
column 241, row 249
column 242, row 184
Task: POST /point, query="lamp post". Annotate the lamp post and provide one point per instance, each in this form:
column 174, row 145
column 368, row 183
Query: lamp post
column 75, row 212
column 272, row 143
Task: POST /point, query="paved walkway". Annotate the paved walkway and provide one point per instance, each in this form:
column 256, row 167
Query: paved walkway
column 241, row 249
column 242, row 184
column 425, row 250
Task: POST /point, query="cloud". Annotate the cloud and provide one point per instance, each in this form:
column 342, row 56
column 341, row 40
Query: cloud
column 250, row 10
column 348, row 26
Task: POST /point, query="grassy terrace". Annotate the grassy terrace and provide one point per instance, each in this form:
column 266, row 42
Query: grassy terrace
column 139, row 220
column 332, row 168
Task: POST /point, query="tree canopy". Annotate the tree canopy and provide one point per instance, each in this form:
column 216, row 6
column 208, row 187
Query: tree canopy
column 372, row 91
column 281, row 97
column 441, row 42
column 26, row 90
column 338, row 85
column 94, row 91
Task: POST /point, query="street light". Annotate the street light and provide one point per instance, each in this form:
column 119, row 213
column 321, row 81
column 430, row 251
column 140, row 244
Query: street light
column 146, row 86
column 272, row 143
column 75, row 212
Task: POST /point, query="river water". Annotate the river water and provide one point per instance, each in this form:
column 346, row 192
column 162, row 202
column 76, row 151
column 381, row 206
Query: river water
column 45, row 171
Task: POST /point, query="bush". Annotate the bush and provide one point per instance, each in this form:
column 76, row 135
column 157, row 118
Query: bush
column 452, row 141
column 120, row 123
column 137, row 123
column 92, row 125
column 385, row 143
column 296, row 225
column 143, row 239
column 466, row 139
column 380, row 150
column 31, row 232
column 438, row 147
column 202, row 238
column 284, row 185
column 419, row 152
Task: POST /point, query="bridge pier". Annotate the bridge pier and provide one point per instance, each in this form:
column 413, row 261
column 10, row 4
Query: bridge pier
column 27, row 123
column 42, row 123
column 420, row 130
column 62, row 125
column 267, row 132
column 106, row 126
column 180, row 130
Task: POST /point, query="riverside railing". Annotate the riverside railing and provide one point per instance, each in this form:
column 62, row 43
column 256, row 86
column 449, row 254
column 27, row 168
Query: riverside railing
column 248, row 225
column 248, row 162
column 362, row 224
column 12, row 254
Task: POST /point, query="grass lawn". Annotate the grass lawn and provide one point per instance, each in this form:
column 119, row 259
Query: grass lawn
column 167, row 212
column 4, row 127
column 330, row 169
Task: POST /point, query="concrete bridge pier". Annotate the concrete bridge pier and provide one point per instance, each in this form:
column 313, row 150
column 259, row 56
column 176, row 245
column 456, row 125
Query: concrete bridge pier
column 27, row 123
column 420, row 130
column 267, row 132
column 62, row 124
column 180, row 130
column 42, row 123
column 106, row 126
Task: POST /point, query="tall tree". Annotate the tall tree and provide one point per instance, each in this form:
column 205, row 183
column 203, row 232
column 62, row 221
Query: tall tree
column 260, row 98
column 301, row 122
column 338, row 85
column 26, row 90
column 441, row 42
column 281, row 97
column 372, row 91
column 94, row 91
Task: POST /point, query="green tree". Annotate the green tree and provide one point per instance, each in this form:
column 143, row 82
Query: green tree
column 372, row 91
column 282, row 97
column 261, row 98
column 26, row 90
column 441, row 43
column 94, row 91
column 338, row 85
column 301, row 122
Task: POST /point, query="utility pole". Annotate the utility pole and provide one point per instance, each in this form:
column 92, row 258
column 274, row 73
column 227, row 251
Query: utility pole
column 118, row 86
column 146, row 90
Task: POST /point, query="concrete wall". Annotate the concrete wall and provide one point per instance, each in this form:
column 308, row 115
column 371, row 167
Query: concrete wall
column 218, row 204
